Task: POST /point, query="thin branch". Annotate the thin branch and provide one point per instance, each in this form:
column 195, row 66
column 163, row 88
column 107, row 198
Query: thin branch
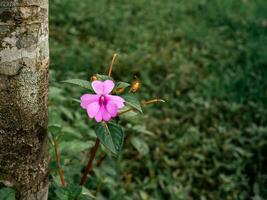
column 57, row 158
column 143, row 104
column 111, row 65
column 90, row 162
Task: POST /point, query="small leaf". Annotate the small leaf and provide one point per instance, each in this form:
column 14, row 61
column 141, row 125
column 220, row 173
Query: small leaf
column 110, row 135
column 140, row 145
column 86, row 194
column 130, row 113
column 66, row 112
column 132, row 101
column 55, row 129
column 74, row 147
column 142, row 129
column 7, row 194
column 101, row 77
column 81, row 83
column 120, row 87
column 75, row 190
column 121, row 84
column 54, row 133
column 61, row 193
column 76, row 100
column 161, row 100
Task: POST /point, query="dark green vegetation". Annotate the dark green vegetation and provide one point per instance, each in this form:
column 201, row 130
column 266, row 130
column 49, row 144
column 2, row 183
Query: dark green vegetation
column 208, row 59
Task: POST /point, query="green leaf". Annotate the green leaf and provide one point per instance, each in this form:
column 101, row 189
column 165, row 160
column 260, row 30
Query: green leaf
column 110, row 135
column 55, row 132
column 121, row 84
column 74, row 147
column 61, row 193
column 75, row 190
column 132, row 101
column 81, row 83
column 66, row 111
column 86, row 194
column 76, row 100
column 101, row 77
column 54, row 129
column 120, row 87
column 140, row 145
column 142, row 129
column 7, row 194
column 70, row 192
column 130, row 113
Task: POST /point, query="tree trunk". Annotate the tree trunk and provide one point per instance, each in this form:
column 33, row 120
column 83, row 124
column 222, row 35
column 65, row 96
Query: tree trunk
column 24, row 59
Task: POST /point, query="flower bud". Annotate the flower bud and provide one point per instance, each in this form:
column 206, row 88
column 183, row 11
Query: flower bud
column 135, row 85
column 119, row 90
column 93, row 78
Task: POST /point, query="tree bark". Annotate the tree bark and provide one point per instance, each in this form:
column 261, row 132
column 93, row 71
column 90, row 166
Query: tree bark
column 24, row 59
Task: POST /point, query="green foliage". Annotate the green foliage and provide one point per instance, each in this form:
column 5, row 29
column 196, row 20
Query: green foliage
column 206, row 58
column 132, row 101
column 103, row 77
column 7, row 194
column 72, row 192
column 81, row 83
column 110, row 135
column 140, row 145
column 122, row 85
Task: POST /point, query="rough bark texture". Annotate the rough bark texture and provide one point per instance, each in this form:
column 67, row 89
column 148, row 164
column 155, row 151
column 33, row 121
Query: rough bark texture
column 24, row 58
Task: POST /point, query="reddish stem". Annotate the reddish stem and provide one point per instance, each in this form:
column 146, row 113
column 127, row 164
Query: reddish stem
column 90, row 162
column 60, row 172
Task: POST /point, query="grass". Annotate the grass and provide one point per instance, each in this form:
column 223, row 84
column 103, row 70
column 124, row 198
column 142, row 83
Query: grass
column 207, row 59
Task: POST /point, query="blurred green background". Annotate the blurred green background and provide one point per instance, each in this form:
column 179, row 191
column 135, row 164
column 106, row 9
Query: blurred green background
column 206, row 58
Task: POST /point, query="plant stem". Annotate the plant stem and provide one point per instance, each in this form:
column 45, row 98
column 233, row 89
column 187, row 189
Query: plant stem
column 142, row 105
column 111, row 65
column 151, row 101
column 90, row 162
column 89, row 165
column 100, row 160
column 60, row 172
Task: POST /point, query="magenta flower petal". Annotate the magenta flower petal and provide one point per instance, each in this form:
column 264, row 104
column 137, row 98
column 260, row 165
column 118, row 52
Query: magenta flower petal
column 87, row 99
column 112, row 108
column 98, row 87
column 98, row 116
column 108, row 86
column 116, row 99
column 92, row 109
column 105, row 114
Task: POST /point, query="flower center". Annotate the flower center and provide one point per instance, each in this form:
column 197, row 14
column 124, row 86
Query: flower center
column 102, row 100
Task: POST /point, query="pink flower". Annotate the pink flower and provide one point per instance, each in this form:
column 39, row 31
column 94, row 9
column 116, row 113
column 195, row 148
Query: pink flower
column 102, row 106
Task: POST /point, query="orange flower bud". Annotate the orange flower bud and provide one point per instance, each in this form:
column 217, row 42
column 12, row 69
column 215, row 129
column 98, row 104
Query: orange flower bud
column 135, row 85
column 119, row 90
column 93, row 78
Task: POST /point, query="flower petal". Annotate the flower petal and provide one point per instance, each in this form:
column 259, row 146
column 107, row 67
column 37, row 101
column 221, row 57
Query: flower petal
column 105, row 114
column 108, row 86
column 116, row 99
column 98, row 116
column 98, row 87
column 92, row 109
column 87, row 99
column 112, row 108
